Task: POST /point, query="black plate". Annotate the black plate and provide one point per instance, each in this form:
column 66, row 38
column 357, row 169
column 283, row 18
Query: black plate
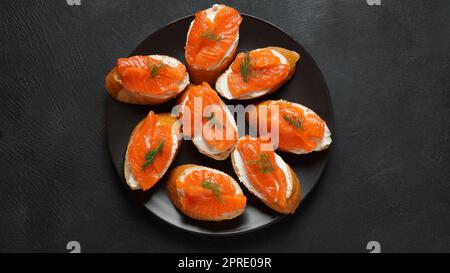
column 307, row 87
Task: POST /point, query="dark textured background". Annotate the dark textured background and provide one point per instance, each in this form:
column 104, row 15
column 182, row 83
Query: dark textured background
column 387, row 179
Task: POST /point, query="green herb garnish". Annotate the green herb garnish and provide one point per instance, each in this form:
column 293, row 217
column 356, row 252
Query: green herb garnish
column 154, row 69
column 150, row 156
column 211, row 35
column 294, row 121
column 212, row 118
column 216, row 190
column 245, row 66
column 263, row 162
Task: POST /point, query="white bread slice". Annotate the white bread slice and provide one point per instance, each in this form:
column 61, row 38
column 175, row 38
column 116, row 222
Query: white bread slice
column 285, row 56
column 322, row 144
column 176, row 194
column 210, row 74
column 176, row 140
column 293, row 187
column 115, row 88
column 199, row 142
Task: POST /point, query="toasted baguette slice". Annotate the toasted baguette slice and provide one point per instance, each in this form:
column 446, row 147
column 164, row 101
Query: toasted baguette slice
column 210, row 74
column 198, row 140
column 166, row 119
column 113, row 85
column 293, row 192
column 209, row 207
column 285, row 55
column 288, row 141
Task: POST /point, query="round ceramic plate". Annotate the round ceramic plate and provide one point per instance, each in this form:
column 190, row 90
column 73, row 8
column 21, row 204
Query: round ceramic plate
column 307, row 87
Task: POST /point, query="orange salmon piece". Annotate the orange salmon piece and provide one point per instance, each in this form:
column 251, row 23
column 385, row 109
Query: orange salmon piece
column 297, row 129
column 265, row 71
column 148, row 75
column 208, row 41
column 263, row 172
column 149, row 135
column 218, row 197
column 221, row 126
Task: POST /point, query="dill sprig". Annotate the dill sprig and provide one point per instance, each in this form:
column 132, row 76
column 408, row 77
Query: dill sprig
column 154, row 69
column 245, row 66
column 294, row 121
column 211, row 35
column 263, row 162
column 216, row 190
column 212, row 118
column 150, row 156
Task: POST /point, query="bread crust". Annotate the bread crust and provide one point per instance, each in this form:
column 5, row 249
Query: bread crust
column 294, row 199
column 164, row 118
column 174, row 196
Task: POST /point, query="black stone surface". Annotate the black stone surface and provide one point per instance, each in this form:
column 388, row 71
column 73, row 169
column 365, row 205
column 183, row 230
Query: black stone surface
column 387, row 178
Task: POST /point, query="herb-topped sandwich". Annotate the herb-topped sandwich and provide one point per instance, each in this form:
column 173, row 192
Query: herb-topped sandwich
column 205, row 194
column 266, row 175
column 257, row 73
column 151, row 149
column 211, row 42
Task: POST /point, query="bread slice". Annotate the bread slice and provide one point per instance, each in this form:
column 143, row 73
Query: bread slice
column 210, row 75
column 176, row 194
column 290, row 57
column 115, row 88
column 198, row 141
column 322, row 144
column 293, row 196
column 163, row 118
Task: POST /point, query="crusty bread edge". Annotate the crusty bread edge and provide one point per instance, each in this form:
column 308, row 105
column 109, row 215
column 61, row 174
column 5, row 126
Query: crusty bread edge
column 172, row 192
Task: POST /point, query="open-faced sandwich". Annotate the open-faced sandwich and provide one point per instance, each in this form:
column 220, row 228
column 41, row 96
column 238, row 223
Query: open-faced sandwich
column 300, row 130
column 266, row 175
column 152, row 79
column 257, row 73
column 151, row 149
column 205, row 194
column 208, row 121
column 211, row 42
